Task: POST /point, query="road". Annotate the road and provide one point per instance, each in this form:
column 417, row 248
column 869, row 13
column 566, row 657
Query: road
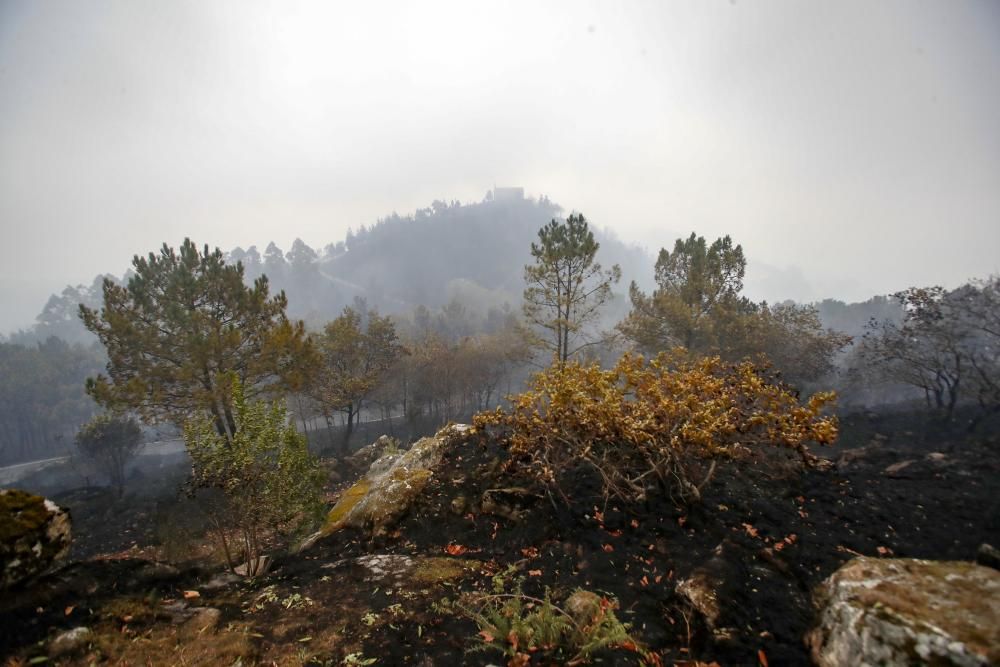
column 11, row 474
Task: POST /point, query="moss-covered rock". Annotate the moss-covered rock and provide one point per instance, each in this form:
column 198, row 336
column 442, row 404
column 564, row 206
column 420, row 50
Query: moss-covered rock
column 391, row 485
column 907, row 611
column 34, row 533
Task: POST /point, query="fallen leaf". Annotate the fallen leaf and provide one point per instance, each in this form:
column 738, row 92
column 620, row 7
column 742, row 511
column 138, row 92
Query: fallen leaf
column 69, row 609
column 530, row 552
column 534, row 573
column 190, row 595
column 455, row 549
column 762, row 657
column 883, row 551
column 750, row 530
column 487, row 637
column 608, row 548
column 634, row 523
column 615, row 533
column 644, row 581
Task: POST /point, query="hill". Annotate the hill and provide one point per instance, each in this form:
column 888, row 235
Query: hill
column 470, row 253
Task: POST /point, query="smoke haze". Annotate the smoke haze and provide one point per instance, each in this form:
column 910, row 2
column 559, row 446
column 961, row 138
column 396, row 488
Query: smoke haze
column 852, row 147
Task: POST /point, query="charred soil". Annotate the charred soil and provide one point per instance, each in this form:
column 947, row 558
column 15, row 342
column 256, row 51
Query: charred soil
column 765, row 533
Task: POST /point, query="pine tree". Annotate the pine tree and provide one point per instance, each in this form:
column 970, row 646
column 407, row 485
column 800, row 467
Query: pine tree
column 566, row 286
column 185, row 323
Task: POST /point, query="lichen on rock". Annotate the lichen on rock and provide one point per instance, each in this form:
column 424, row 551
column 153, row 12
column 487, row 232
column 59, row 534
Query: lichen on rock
column 906, row 611
column 391, row 485
column 34, row 534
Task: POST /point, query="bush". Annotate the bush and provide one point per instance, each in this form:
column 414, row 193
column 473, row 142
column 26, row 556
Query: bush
column 520, row 626
column 109, row 442
column 271, row 486
column 658, row 424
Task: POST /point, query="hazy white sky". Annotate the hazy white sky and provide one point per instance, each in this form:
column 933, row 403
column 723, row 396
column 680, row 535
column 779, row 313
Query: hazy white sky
column 851, row 147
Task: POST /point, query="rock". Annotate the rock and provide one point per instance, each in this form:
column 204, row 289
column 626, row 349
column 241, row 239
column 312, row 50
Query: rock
column 150, row 573
column 391, row 485
column 331, row 469
column 898, row 469
column 398, row 569
column 698, row 590
column 204, row 620
column 583, row 606
column 507, row 503
column 259, row 568
column 988, row 555
column 69, row 641
column 701, row 589
column 178, row 611
column 367, row 455
column 906, row 611
column 222, row 580
column 34, row 534
column 850, row 457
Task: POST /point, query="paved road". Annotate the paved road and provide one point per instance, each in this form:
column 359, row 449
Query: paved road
column 11, row 474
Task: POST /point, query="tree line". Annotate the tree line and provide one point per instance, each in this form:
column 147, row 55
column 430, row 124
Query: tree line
column 42, row 402
column 191, row 343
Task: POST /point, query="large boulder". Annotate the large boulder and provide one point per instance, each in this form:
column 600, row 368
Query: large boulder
column 34, row 534
column 906, row 611
column 392, row 483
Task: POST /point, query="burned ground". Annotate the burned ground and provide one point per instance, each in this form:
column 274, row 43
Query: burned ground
column 763, row 537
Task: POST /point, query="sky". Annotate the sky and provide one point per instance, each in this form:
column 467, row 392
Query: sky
column 852, row 148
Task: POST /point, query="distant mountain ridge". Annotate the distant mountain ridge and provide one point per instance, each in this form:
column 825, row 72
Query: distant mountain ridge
column 472, row 253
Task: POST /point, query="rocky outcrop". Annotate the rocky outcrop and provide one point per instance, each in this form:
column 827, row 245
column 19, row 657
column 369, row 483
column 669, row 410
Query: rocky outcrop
column 34, row 534
column 905, row 612
column 391, row 485
column 369, row 454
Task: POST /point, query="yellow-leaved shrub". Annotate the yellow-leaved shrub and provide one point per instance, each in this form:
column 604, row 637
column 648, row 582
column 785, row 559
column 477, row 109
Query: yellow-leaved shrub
column 657, row 424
